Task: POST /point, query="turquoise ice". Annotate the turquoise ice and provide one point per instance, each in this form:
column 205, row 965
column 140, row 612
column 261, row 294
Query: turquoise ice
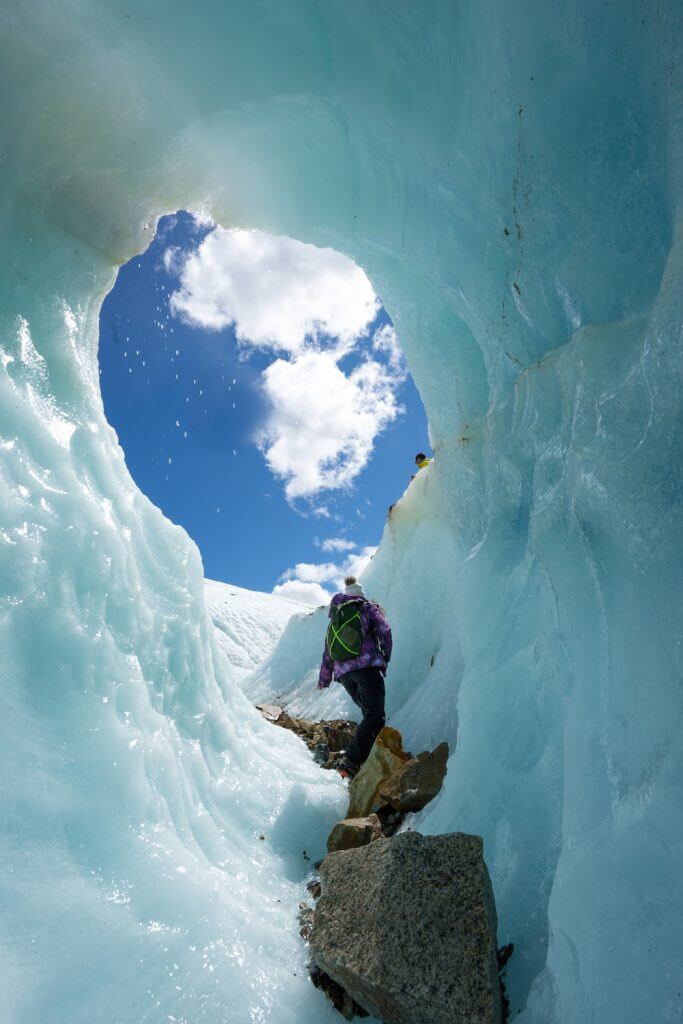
column 509, row 176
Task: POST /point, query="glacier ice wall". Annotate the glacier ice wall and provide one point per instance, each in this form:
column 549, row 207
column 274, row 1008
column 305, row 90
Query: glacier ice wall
column 247, row 624
column 154, row 839
column 510, row 178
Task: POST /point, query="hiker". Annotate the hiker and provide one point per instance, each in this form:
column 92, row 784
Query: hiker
column 421, row 461
column 357, row 652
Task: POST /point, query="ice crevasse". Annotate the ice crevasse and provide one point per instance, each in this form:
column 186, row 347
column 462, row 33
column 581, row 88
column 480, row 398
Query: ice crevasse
column 510, row 178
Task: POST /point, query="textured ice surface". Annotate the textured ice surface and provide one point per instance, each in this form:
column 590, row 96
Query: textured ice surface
column 248, row 624
column 510, row 179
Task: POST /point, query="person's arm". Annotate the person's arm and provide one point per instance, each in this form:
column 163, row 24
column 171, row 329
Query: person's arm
column 326, row 670
column 382, row 631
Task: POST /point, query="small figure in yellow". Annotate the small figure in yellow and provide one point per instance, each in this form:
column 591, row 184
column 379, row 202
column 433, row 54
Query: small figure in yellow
column 421, row 461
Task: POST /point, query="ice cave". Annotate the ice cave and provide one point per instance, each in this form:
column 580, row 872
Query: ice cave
column 509, row 177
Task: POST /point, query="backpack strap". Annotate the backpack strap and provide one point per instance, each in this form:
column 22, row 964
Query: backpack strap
column 337, row 632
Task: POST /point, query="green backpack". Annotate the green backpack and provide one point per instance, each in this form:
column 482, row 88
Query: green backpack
column 345, row 631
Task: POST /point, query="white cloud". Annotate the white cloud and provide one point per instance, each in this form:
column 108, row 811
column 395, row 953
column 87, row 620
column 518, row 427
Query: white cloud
column 277, row 291
column 336, row 544
column 307, row 593
column 323, row 424
column 311, row 306
column 313, row 574
column 385, row 340
column 202, row 217
column 355, row 565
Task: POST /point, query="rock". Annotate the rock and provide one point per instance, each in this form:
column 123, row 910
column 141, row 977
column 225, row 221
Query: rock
column 316, row 737
column 285, row 721
column 417, row 782
column 340, row 999
column 348, row 1010
column 321, row 754
column 504, row 954
column 334, row 759
column 333, row 736
column 271, row 712
column 386, row 758
column 407, row 927
column 338, row 734
column 305, row 921
column 354, row 832
column 390, row 820
column 314, row 888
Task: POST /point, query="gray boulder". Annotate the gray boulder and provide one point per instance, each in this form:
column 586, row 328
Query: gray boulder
column 407, row 926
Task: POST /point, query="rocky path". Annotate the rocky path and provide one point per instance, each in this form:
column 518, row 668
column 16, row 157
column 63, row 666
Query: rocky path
column 326, row 739
column 401, row 926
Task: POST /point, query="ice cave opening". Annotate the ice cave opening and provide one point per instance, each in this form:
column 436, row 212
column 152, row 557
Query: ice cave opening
column 511, row 182
column 259, row 392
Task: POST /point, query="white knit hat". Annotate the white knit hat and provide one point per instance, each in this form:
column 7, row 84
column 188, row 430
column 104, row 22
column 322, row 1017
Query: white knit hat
column 355, row 590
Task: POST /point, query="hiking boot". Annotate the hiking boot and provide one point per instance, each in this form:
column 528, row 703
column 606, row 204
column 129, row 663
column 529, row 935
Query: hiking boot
column 347, row 769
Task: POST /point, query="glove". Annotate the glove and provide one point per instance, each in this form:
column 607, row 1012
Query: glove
column 322, row 686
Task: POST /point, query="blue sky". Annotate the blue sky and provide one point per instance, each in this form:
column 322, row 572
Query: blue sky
column 263, row 407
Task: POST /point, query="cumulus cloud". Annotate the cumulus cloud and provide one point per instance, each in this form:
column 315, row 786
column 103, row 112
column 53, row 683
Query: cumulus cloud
column 307, row 593
column 336, row 544
column 310, row 307
column 313, row 572
column 278, row 292
column 355, row 565
column 385, row 340
column 323, row 424
column 306, row 576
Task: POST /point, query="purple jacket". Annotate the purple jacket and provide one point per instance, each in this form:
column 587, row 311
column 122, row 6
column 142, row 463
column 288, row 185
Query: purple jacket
column 375, row 650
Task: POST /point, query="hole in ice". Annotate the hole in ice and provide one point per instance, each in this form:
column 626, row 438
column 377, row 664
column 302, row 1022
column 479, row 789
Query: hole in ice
column 261, row 398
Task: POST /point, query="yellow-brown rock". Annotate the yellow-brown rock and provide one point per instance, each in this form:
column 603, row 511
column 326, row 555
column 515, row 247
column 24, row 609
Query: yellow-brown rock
column 387, row 757
column 354, row 832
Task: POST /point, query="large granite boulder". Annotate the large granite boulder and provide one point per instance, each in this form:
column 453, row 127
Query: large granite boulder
column 407, row 927
column 417, row 781
column 386, row 758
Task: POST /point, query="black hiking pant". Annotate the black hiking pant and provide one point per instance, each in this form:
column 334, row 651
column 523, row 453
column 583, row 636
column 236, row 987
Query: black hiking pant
column 365, row 687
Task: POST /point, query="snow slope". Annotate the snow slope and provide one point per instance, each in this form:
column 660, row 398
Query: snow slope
column 248, row 624
column 510, row 179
